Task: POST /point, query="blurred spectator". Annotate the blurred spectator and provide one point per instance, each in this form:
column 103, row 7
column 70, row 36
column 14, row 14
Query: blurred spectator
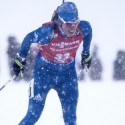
column 30, row 62
column 95, row 71
column 12, row 50
column 119, row 66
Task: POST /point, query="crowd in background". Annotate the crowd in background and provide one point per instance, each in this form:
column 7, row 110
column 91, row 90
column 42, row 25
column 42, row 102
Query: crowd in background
column 95, row 72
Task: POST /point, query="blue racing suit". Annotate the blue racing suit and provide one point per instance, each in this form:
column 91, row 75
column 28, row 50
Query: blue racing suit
column 55, row 69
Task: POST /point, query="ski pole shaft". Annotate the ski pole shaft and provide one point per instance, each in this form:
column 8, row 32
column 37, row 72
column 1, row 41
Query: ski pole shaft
column 86, row 69
column 8, row 82
column 81, row 70
column 78, row 74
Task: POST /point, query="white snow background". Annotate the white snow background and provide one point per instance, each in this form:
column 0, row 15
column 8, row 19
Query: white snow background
column 100, row 103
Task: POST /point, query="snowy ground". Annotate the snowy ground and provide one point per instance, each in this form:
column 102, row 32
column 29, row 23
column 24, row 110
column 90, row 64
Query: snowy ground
column 100, row 103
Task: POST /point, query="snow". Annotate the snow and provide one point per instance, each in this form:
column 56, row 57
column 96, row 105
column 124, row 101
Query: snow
column 100, row 103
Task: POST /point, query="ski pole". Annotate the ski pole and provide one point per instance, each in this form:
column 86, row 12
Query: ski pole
column 8, row 82
column 86, row 69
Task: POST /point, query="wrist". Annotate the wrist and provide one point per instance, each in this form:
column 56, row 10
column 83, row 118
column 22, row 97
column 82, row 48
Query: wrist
column 86, row 57
column 85, row 53
column 22, row 59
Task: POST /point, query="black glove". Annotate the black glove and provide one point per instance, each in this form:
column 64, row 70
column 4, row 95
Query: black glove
column 18, row 66
column 86, row 60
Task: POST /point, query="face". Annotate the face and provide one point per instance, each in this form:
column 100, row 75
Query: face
column 69, row 28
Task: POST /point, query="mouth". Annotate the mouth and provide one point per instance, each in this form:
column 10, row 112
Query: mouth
column 71, row 30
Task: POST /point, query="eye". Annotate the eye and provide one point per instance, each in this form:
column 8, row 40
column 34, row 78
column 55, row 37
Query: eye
column 63, row 25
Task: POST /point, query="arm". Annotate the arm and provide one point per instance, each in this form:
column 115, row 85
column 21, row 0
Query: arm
column 41, row 35
column 87, row 36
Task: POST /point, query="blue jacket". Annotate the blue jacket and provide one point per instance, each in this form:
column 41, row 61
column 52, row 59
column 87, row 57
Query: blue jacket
column 44, row 35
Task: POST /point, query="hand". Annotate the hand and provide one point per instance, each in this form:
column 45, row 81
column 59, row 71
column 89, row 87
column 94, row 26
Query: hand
column 86, row 60
column 18, row 66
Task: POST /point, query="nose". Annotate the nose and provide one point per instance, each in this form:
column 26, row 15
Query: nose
column 72, row 27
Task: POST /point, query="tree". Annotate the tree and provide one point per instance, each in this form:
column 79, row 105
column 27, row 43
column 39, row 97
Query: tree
column 119, row 66
column 95, row 71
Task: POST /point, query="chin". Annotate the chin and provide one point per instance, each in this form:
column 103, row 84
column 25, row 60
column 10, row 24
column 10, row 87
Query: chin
column 71, row 34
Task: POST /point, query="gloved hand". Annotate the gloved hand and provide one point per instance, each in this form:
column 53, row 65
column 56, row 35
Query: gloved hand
column 18, row 66
column 86, row 60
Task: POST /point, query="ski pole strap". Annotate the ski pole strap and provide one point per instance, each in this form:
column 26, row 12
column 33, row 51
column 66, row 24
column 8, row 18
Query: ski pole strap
column 18, row 63
column 88, row 58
